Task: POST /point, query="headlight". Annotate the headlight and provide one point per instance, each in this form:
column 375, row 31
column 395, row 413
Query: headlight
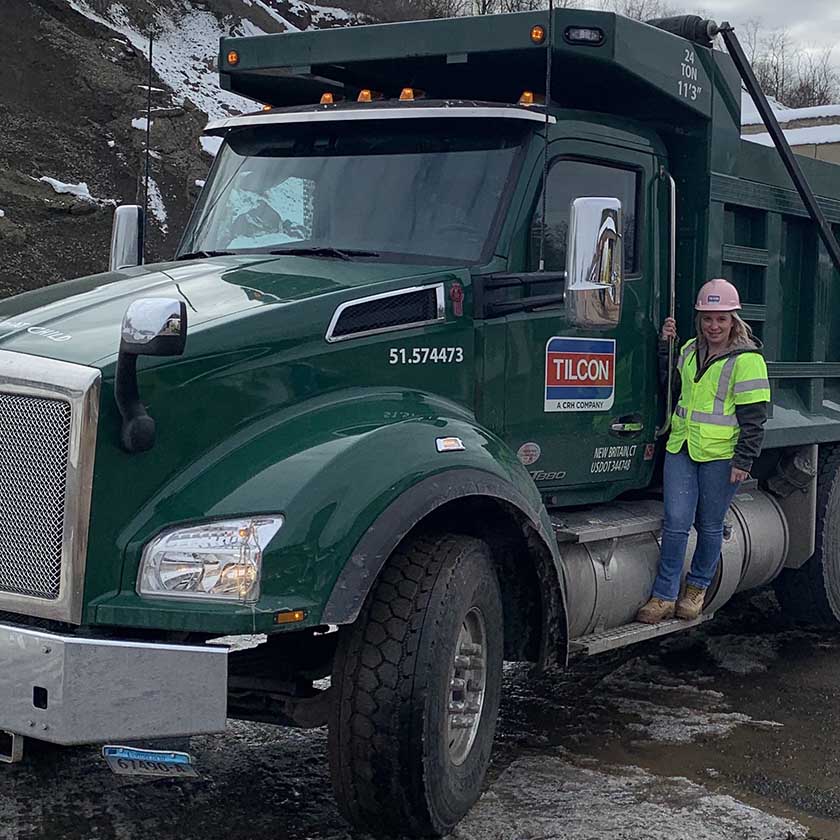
column 219, row 561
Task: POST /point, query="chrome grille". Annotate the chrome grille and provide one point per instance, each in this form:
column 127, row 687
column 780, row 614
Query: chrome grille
column 34, row 453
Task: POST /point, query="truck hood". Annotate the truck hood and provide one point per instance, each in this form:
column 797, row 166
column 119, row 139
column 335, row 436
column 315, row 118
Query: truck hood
column 79, row 320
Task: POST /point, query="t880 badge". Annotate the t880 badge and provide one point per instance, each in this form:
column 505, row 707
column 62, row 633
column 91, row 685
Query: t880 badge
column 579, row 374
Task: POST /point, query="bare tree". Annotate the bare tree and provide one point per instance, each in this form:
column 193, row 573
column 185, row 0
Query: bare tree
column 639, row 9
column 795, row 76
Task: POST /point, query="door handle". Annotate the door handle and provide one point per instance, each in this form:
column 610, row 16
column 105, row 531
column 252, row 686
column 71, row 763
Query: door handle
column 627, row 428
column 628, row 425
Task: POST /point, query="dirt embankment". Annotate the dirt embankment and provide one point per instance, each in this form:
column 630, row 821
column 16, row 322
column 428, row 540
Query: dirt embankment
column 71, row 88
column 73, row 91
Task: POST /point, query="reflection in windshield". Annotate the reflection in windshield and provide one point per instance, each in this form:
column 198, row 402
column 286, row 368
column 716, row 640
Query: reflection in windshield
column 429, row 193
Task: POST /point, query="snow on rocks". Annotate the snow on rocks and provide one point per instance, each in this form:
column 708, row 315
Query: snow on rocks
column 156, row 206
column 211, row 145
column 184, row 53
column 141, row 123
column 2, row 213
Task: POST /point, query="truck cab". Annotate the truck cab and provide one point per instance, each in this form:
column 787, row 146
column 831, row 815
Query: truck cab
column 395, row 404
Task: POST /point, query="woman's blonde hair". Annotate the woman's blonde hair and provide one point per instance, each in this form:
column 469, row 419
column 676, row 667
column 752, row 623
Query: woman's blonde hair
column 739, row 336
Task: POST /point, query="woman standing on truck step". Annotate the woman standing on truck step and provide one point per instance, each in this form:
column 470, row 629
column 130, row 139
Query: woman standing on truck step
column 716, row 432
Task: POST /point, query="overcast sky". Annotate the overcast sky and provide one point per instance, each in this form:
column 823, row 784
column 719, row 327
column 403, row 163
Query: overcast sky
column 810, row 22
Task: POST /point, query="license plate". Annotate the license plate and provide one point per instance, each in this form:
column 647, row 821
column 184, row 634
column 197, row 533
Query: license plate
column 127, row 761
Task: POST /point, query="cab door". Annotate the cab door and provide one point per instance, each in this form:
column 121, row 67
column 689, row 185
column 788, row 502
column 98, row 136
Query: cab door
column 581, row 390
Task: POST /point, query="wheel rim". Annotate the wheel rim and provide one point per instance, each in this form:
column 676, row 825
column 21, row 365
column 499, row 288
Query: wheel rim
column 467, row 681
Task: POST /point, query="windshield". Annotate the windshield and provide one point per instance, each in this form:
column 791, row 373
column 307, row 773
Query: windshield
column 426, row 190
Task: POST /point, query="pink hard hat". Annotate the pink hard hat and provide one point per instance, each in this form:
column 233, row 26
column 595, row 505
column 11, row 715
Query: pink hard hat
column 718, row 296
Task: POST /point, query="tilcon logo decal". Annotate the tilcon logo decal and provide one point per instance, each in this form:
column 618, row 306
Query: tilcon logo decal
column 579, row 374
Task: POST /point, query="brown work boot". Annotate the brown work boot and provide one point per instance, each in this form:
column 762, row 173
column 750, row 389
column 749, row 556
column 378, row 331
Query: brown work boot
column 690, row 604
column 655, row 610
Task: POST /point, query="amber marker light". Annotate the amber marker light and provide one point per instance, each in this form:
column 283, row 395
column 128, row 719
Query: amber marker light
column 266, row 107
column 538, row 34
column 365, row 96
column 289, row 616
column 327, row 99
column 233, row 58
column 407, row 95
column 527, row 98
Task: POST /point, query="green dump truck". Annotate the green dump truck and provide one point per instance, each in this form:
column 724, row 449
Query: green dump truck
column 394, row 403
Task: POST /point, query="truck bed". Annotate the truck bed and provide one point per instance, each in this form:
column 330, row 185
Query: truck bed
column 762, row 239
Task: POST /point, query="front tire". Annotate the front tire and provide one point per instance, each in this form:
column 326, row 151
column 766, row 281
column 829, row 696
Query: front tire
column 416, row 682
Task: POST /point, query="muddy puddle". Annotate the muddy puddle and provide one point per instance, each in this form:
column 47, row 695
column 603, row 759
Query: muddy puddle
column 744, row 707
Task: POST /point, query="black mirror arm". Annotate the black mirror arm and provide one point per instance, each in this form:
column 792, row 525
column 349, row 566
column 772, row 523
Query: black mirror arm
column 138, row 428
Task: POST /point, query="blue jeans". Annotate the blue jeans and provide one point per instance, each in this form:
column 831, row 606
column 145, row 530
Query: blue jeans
column 697, row 494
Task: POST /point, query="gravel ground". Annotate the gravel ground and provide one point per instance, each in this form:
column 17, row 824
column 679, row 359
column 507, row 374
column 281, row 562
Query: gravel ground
column 725, row 733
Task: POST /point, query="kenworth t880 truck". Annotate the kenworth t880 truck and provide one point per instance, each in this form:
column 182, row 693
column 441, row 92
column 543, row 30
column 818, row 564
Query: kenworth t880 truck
column 395, row 405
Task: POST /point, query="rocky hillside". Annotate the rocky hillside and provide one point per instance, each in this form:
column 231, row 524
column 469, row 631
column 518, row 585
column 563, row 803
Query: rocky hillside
column 73, row 91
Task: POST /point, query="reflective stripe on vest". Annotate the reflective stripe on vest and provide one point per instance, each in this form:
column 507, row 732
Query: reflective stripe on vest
column 702, row 417
column 751, row 385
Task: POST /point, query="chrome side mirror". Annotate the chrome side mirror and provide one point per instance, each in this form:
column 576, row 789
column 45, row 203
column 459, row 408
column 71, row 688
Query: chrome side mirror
column 595, row 262
column 126, row 237
column 154, row 327
column 151, row 327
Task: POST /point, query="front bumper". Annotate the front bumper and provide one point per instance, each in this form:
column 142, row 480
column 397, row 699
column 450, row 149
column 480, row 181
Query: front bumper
column 69, row 690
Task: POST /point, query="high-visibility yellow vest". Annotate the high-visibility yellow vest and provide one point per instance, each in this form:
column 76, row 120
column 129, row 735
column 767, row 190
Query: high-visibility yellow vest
column 705, row 414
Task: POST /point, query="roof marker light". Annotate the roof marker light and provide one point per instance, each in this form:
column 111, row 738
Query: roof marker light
column 407, row 95
column 327, row 99
column 365, row 96
column 233, row 58
column 266, row 107
column 589, row 35
column 529, row 98
column 538, row 34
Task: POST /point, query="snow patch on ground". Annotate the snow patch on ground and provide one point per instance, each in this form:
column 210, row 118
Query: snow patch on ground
column 2, row 213
column 546, row 796
column 670, row 710
column 141, row 123
column 80, row 190
column 742, row 654
column 681, row 724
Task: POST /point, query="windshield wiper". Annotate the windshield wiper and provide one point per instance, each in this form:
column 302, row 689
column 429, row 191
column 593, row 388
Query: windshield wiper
column 195, row 255
column 340, row 253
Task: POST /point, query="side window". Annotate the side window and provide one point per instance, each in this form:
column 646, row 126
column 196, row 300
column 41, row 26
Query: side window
column 571, row 179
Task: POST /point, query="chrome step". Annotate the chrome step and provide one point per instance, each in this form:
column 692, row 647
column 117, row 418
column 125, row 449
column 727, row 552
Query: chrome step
column 607, row 521
column 629, row 634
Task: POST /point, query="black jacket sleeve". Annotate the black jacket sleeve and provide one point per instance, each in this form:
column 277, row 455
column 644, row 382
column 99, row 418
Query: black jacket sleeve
column 676, row 382
column 751, row 419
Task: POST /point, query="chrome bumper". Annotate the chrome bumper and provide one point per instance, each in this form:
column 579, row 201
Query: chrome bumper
column 70, row 690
